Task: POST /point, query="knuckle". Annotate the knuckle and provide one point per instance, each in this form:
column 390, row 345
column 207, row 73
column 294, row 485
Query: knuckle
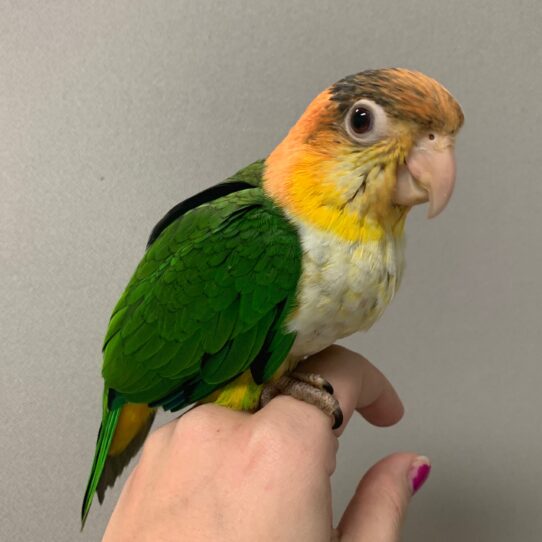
column 156, row 439
column 285, row 438
column 336, row 350
column 154, row 445
column 269, row 441
column 200, row 421
column 206, row 425
column 267, row 431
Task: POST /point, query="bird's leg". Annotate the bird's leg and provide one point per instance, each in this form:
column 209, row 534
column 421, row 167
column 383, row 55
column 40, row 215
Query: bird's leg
column 314, row 380
column 308, row 387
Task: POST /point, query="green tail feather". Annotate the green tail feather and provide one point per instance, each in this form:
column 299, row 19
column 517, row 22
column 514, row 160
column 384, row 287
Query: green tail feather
column 105, row 436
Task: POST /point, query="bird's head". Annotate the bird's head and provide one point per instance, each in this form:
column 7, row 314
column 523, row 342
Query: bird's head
column 365, row 151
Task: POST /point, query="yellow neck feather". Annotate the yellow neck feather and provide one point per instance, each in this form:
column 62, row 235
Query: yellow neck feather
column 331, row 194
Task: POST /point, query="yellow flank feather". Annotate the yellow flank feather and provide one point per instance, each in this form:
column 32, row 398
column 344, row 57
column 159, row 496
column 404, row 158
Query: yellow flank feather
column 132, row 419
column 243, row 393
column 240, row 394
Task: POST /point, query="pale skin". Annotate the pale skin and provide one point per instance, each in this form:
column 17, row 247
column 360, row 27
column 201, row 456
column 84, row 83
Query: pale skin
column 216, row 474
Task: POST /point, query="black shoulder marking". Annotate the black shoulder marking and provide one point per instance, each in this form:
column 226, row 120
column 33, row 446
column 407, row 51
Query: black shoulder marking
column 210, row 194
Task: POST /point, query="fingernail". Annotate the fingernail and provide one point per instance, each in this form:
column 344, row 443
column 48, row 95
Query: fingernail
column 419, row 472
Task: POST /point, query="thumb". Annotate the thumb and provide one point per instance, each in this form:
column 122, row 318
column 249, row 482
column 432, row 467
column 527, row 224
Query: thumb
column 375, row 513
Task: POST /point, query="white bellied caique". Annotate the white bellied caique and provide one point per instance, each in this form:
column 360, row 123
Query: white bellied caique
column 243, row 280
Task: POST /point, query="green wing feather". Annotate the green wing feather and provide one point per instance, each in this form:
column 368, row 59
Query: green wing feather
column 207, row 302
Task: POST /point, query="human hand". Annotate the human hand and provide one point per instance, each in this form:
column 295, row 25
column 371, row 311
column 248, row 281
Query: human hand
column 217, row 474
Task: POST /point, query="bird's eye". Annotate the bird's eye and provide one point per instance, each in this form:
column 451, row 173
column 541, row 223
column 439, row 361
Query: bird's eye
column 366, row 122
column 361, row 120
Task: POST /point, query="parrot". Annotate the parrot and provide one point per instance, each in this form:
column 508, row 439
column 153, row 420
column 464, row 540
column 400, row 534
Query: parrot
column 242, row 281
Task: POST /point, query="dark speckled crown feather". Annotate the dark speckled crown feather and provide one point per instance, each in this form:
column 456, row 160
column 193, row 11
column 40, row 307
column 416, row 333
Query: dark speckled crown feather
column 404, row 94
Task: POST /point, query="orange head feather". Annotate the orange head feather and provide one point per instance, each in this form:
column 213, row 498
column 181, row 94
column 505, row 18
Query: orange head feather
column 338, row 166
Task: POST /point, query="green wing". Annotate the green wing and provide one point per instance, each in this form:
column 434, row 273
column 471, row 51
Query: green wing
column 207, row 302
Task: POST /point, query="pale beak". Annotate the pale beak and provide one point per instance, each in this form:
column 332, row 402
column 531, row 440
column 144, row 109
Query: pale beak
column 427, row 175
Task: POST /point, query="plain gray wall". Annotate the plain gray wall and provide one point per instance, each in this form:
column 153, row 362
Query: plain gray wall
column 111, row 112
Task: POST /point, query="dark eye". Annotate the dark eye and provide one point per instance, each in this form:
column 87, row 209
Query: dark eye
column 361, row 120
column 366, row 122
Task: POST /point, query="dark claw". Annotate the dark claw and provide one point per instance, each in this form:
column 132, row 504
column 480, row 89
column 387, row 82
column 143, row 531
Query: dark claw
column 329, row 388
column 337, row 418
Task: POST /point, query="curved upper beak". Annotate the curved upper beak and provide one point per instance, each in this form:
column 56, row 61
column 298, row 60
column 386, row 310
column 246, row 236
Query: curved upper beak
column 427, row 175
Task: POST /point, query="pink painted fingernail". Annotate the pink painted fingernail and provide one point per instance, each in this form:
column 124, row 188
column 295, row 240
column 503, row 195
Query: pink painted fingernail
column 419, row 472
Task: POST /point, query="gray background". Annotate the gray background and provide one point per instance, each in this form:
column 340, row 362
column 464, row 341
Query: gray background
column 111, row 112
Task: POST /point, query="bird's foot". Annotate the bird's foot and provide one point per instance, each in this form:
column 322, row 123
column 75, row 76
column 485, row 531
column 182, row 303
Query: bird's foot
column 308, row 387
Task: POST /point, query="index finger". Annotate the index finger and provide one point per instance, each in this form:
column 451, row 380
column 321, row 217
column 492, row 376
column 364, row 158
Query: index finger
column 358, row 385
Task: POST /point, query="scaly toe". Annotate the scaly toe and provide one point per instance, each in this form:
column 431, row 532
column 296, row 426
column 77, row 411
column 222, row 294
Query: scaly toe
column 269, row 391
column 306, row 387
column 314, row 380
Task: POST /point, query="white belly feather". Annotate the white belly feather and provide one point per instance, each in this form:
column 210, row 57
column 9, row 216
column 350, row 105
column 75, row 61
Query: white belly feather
column 345, row 286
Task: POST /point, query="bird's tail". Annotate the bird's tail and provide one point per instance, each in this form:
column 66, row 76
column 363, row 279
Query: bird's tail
column 122, row 432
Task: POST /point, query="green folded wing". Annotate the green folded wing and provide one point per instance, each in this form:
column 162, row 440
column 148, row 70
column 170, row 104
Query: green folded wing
column 207, row 302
